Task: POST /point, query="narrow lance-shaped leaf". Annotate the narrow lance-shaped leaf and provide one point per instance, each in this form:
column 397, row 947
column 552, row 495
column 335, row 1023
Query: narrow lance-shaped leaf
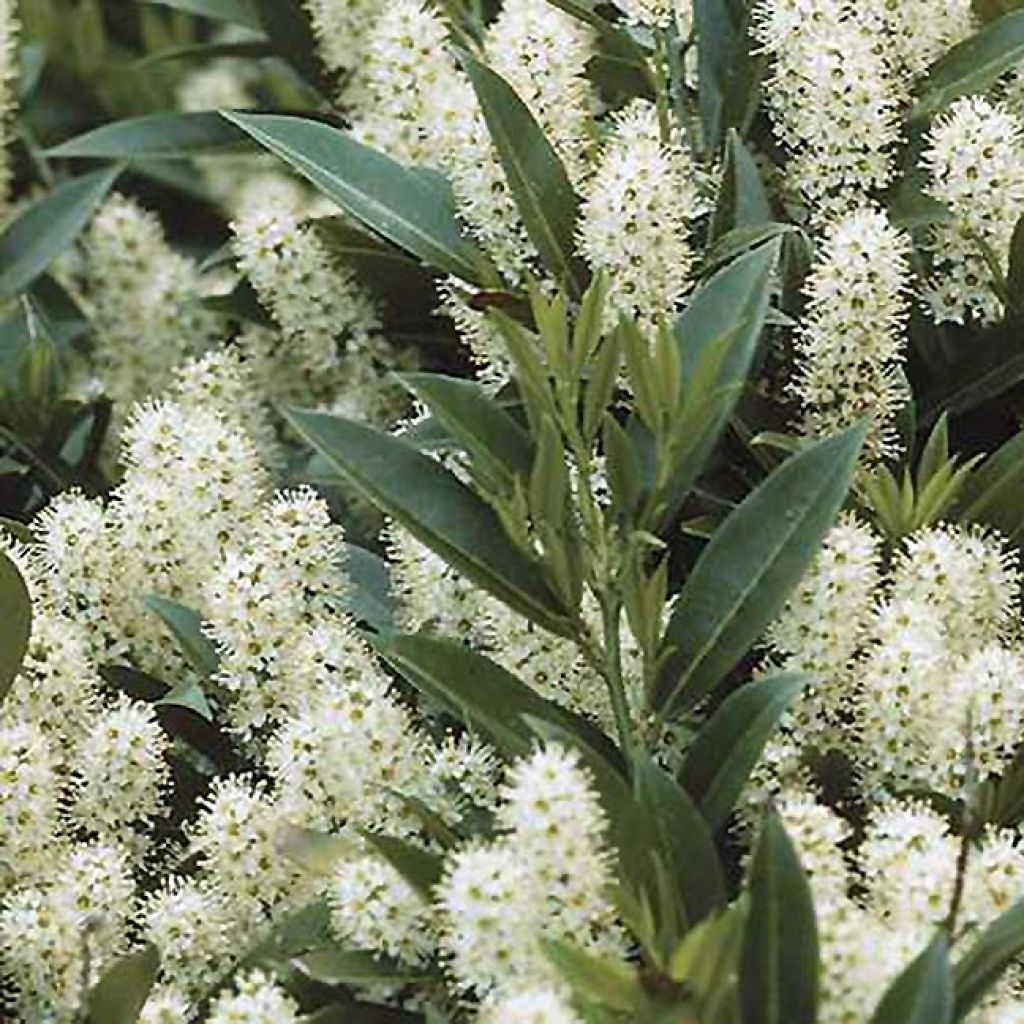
column 999, row 945
column 923, row 992
column 973, row 65
column 479, row 691
column 122, row 992
column 164, row 136
column 186, row 625
column 411, row 208
column 16, row 616
column 438, row 509
column 238, row 12
column 540, row 186
column 779, row 961
column 37, row 236
column 742, row 579
column 725, row 751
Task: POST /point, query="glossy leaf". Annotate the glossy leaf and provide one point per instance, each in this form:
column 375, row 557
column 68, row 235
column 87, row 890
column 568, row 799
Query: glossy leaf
column 685, row 842
column 369, row 599
column 538, row 181
column 122, row 992
column 437, row 509
column 41, row 232
column 923, row 992
column 16, row 616
column 476, row 421
column 355, row 967
column 237, row 12
column 973, row 65
column 729, row 745
column 779, row 960
column 998, row 946
column 729, row 312
column 185, row 626
column 742, row 579
column 478, row 691
column 412, row 208
column 163, row 136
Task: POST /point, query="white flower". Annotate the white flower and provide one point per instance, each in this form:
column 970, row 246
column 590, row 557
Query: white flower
column 975, row 165
column 636, row 216
column 850, row 345
column 374, row 908
column 257, row 1000
column 530, row 1005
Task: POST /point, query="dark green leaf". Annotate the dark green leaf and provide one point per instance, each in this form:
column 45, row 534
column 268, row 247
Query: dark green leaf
column 420, row 868
column 973, row 65
column 252, row 50
column 122, row 992
column 729, row 745
column 1015, row 271
column 481, row 693
column 923, row 992
column 241, row 304
column 167, row 136
column 742, row 199
column 994, row 493
column 16, row 616
column 355, row 967
column 413, row 209
column 742, row 579
column 38, row 235
column 684, row 841
column 538, row 181
column 186, row 626
column 779, row 961
column 238, row 12
column 998, row 946
column 728, row 311
column 476, row 421
column 288, row 27
column 369, row 599
column 363, row 1013
column 436, row 508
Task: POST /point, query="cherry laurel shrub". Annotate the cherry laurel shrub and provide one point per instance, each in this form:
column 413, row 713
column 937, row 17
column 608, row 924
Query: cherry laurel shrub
column 511, row 511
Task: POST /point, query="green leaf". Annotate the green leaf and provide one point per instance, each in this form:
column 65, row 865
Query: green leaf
column 480, row 692
column 369, row 599
column 743, row 577
column 779, row 961
column 728, row 311
column 742, row 199
column 596, row 978
column 538, row 181
column 437, row 509
column 420, row 868
column 411, row 208
column 186, row 626
column 350, row 1012
column 923, row 992
column 994, row 493
column 998, row 946
column 38, row 235
column 476, row 421
column 288, row 26
column 355, row 967
column 725, row 751
column 973, row 65
column 1015, row 267
column 238, row 12
column 16, row 616
column 685, row 843
column 122, row 992
column 166, row 136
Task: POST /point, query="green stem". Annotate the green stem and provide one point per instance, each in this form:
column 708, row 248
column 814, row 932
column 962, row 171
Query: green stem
column 661, row 86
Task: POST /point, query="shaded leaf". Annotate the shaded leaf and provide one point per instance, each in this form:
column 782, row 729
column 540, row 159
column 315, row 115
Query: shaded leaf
column 413, row 209
column 16, row 616
column 186, row 626
column 167, row 136
column 923, row 992
column 779, row 961
column 998, row 946
column 973, row 65
column 743, row 577
column 437, row 509
column 41, row 232
column 420, row 868
column 538, row 181
column 355, row 967
column 742, row 199
column 122, row 992
column 369, row 599
column 287, row 25
column 238, row 12
column 729, row 745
